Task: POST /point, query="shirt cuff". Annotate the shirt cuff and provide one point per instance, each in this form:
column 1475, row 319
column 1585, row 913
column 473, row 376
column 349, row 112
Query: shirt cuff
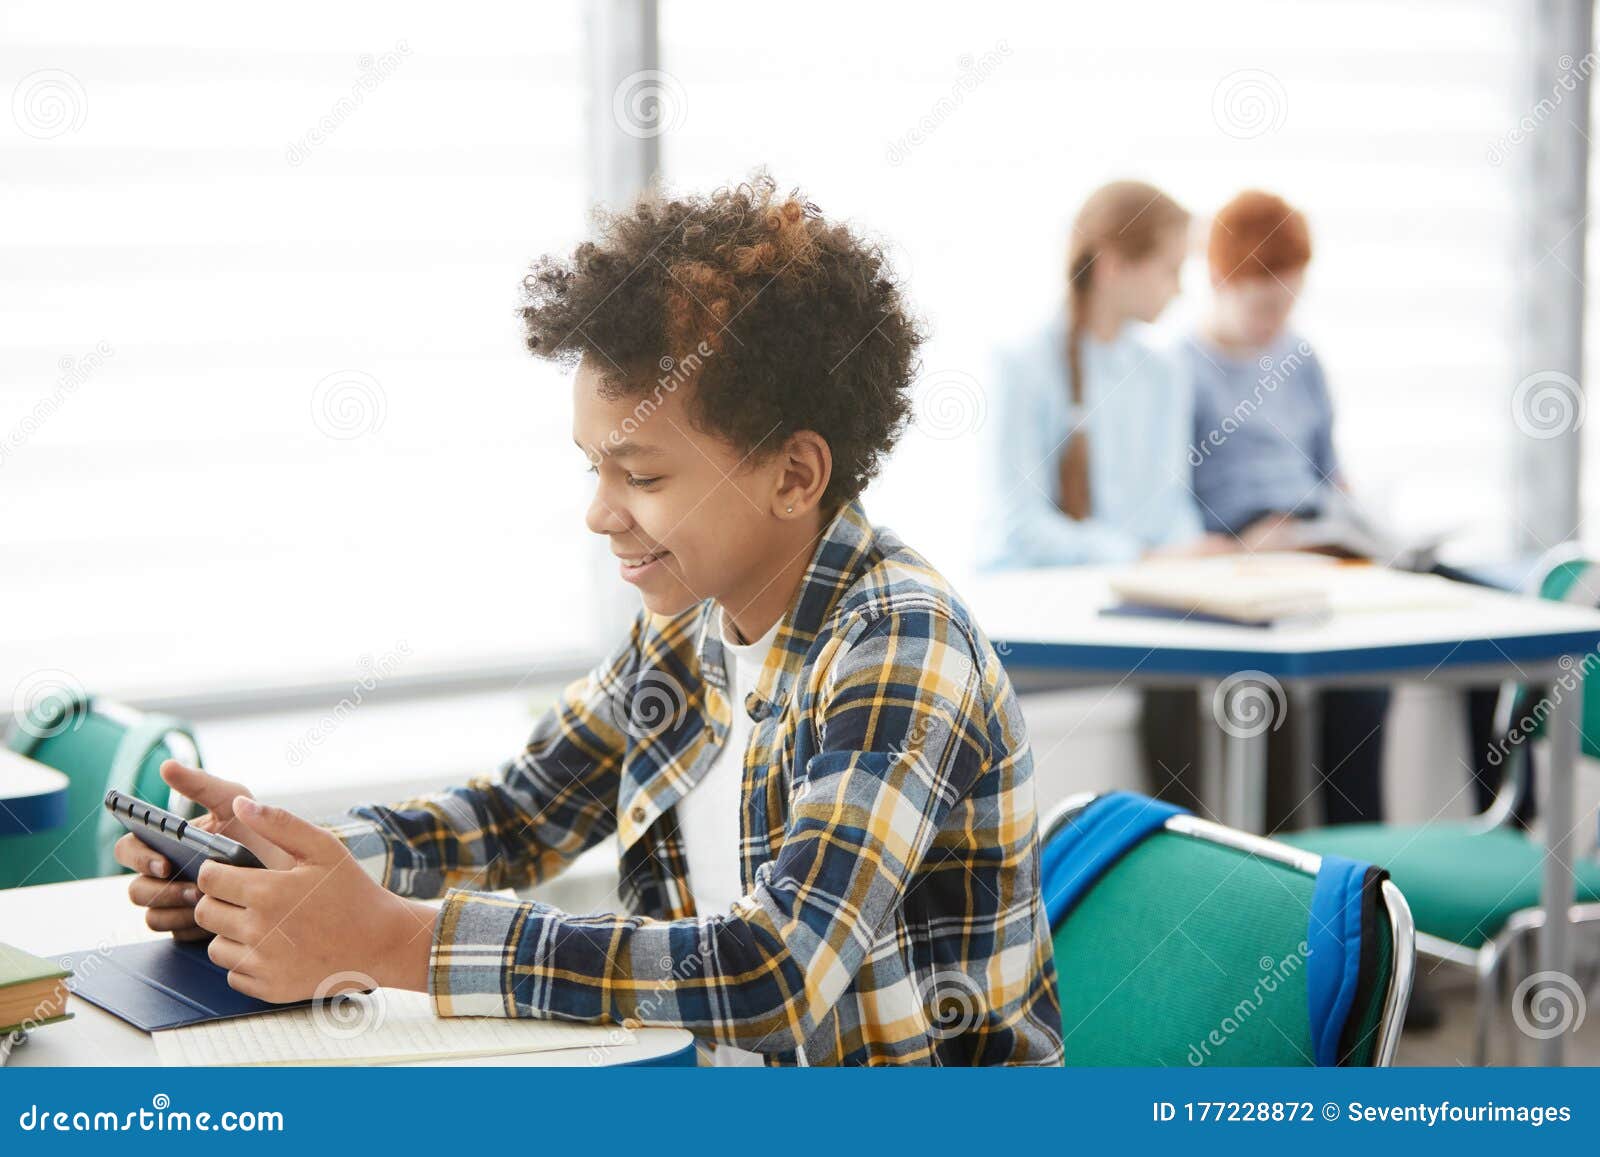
column 474, row 967
column 368, row 845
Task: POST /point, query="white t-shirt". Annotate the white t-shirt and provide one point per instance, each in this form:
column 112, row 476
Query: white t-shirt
column 708, row 816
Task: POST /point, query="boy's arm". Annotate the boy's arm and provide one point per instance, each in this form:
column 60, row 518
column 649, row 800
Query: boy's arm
column 553, row 801
column 903, row 740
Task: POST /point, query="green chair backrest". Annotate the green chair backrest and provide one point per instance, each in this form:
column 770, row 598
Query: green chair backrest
column 1575, row 580
column 1191, row 952
column 83, row 739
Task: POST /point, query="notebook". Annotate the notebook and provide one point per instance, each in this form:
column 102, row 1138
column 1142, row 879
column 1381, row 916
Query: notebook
column 33, row 990
column 1250, row 590
column 385, row 1026
column 1279, row 589
column 159, row 984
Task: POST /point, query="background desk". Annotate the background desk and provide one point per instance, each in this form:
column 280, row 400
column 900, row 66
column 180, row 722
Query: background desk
column 33, row 797
column 59, row 918
column 1050, row 621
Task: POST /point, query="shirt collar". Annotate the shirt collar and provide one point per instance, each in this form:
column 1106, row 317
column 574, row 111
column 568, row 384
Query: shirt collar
column 843, row 553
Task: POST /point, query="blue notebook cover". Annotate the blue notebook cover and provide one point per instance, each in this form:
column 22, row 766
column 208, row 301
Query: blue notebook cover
column 159, row 984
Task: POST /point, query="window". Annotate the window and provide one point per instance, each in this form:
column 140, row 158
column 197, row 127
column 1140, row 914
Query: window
column 265, row 416
column 967, row 135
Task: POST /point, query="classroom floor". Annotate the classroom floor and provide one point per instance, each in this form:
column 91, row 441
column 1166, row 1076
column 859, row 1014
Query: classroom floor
column 1451, row 1043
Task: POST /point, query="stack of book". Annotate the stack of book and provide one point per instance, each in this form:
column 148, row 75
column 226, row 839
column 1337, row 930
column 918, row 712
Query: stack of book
column 33, row 992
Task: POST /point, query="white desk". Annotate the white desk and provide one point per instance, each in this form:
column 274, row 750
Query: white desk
column 57, row 918
column 1050, row 620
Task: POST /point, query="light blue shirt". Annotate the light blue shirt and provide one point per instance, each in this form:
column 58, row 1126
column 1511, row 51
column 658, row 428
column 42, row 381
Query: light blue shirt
column 1138, row 412
column 1263, row 432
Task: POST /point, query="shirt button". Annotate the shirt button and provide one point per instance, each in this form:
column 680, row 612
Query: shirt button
column 637, row 814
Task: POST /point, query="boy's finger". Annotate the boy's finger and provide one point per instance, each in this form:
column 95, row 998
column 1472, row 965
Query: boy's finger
column 211, row 793
column 220, row 917
column 305, row 841
column 149, row 892
column 132, row 852
column 247, row 984
column 227, row 883
column 170, row 919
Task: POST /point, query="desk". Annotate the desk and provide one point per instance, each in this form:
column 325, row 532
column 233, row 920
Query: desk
column 1050, row 620
column 55, row 918
column 33, row 797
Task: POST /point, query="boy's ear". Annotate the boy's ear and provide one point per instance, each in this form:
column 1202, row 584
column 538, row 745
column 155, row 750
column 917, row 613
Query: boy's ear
column 807, row 467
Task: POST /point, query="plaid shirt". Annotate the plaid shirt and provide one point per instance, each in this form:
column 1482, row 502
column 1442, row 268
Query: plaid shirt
column 888, row 839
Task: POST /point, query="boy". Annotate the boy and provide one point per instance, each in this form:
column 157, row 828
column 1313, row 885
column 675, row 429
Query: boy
column 812, row 759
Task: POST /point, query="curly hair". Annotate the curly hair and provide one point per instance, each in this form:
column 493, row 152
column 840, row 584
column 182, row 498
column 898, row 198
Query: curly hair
column 787, row 321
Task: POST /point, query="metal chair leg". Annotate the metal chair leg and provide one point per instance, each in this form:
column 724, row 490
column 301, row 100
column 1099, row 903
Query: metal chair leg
column 1519, row 965
column 1488, row 994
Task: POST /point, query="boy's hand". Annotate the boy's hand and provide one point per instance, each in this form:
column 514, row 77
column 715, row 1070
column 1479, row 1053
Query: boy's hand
column 170, row 901
column 286, row 933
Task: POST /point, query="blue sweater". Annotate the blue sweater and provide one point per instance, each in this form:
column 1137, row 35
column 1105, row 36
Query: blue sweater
column 1138, row 413
column 1263, row 432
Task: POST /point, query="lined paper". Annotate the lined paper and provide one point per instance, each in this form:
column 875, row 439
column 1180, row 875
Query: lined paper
column 385, row 1026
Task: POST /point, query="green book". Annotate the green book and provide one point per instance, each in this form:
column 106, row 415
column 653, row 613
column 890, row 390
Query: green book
column 33, row 991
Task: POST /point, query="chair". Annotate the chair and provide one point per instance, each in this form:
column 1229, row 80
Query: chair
column 98, row 745
column 1195, row 946
column 1475, row 885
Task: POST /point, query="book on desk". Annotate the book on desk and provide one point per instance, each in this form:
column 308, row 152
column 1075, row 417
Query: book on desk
column 33, row 993
column 1264, row 590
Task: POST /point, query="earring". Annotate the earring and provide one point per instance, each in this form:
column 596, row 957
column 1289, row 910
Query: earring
column 788, row 510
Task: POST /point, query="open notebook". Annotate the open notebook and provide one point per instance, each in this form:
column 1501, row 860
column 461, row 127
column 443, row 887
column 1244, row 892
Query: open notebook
column 386, row 1026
